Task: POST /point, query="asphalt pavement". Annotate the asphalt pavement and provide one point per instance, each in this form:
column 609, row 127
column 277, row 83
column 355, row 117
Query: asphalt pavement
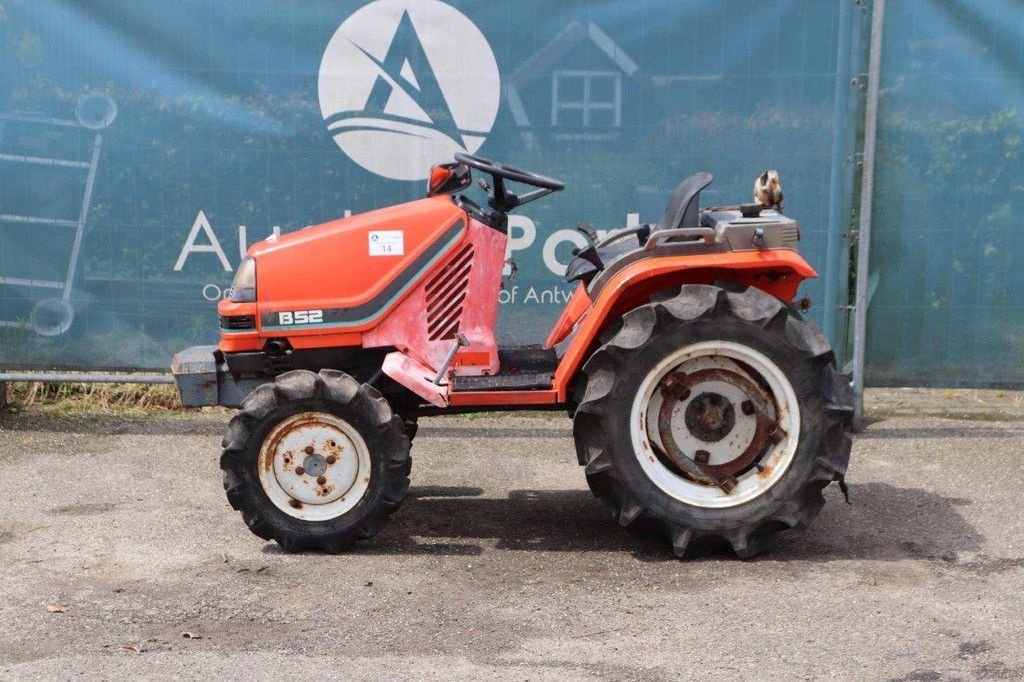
column 119, row 556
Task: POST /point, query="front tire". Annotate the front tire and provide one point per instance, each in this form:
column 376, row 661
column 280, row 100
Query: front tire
column 717, row 415
column 315, row 461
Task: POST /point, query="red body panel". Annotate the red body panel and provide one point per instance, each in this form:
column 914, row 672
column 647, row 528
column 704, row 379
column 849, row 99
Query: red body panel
column 778, row 271
column 445, row 282
column 464, row 288
column 499, row 398
column 578, row 305
column 329, row 267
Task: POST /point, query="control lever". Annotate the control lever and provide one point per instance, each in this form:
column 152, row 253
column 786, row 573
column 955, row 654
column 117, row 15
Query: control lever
column 587, row 230
column 643, row 233
column 460, row 341
column 589, row 252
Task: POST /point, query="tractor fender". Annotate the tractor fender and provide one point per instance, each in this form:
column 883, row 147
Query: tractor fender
column 777, row 271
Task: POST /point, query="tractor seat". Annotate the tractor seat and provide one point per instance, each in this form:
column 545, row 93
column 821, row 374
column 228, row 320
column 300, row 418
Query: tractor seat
column 684, row 208
column 683, row 211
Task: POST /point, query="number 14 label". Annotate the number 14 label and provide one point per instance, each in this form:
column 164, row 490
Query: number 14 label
column 387, row 243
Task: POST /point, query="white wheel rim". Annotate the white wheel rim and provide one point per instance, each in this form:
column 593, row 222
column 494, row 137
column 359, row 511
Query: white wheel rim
column 782, row 408
column 314, row 466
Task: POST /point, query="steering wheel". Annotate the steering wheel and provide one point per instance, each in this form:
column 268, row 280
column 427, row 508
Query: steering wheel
column 501, row 170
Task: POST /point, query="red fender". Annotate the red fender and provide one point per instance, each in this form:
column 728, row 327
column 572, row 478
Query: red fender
column 778, row 271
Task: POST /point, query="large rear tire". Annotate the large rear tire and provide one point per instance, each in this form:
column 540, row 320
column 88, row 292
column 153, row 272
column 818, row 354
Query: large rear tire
column 717, row 415
column 315, row 461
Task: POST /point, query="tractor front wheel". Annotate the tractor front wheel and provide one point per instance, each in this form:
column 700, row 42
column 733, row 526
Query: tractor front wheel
column 717, row 414
column 315, row 461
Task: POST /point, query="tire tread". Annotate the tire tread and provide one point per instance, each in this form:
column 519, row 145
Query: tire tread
column 688, row 304
column 335, row 387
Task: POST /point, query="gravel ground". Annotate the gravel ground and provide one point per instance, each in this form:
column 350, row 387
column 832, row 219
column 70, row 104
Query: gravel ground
column 120, row 557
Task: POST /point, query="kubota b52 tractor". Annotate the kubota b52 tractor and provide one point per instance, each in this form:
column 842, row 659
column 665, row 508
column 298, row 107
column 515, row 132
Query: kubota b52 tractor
column 702, row 402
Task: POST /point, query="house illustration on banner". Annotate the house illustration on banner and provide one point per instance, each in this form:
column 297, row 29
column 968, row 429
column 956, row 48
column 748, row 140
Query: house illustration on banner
column 579, row 85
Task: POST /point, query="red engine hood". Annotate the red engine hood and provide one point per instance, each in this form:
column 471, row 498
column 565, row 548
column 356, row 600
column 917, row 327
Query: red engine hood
column 356, row 266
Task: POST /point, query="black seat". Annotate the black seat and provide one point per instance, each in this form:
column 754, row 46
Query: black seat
column 684, row 209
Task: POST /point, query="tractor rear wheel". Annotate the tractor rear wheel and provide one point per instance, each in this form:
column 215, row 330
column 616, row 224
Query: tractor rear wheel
column 716, row 414
column 315, row 461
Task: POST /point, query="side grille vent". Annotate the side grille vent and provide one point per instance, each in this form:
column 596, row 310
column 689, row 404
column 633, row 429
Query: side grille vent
column 446, row 295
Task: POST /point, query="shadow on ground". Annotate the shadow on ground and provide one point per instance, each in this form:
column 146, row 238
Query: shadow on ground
column 213, row 424
column 885, row 522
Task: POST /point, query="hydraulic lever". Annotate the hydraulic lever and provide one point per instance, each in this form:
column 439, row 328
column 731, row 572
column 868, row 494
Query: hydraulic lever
column 460, row 341
column 589, row 252
column 588, row 231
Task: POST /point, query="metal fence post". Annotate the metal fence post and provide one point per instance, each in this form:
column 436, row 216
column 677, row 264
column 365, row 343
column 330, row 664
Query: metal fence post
column 864, row 231
column 834, row 300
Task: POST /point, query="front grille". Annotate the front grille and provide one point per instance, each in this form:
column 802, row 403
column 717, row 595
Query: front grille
column 446, row 294
column 237, row 322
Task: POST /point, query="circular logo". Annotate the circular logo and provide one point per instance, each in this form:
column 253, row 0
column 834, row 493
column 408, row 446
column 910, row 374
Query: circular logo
column 405, row 84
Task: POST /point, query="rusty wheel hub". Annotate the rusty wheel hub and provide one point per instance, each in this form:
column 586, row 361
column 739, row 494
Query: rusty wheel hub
column 716, row 420
column 314, row 466
column 710, row 417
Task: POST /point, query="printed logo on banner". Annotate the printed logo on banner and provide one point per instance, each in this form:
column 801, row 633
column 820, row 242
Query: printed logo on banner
column 405, row 84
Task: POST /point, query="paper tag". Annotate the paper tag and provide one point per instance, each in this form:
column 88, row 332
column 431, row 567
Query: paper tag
column 387, row 243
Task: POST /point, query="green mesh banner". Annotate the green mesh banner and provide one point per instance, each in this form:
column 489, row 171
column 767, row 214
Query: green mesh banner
column 946, row 249
column 144, row 145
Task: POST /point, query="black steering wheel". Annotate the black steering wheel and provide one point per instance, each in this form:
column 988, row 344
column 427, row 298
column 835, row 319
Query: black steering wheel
column 501, row 170
column 499, row 198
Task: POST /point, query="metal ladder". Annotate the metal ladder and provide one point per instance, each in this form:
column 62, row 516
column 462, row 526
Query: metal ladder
column 54, row 316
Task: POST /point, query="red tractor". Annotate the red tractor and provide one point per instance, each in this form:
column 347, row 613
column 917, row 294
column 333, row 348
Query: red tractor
column 703, row 403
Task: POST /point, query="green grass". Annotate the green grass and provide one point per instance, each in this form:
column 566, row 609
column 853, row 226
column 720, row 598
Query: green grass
column 88, row 397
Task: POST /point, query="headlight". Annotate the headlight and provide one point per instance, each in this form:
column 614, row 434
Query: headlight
column 243, row 287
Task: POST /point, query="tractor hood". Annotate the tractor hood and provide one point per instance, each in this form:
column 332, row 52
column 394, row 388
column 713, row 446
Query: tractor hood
column 347, row 272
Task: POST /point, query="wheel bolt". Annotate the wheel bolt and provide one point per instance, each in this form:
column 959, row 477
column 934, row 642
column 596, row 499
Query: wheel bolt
column 299, row 470
column 321, row 479
column 308, row 450
column 747, row 407
column 331, row 459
